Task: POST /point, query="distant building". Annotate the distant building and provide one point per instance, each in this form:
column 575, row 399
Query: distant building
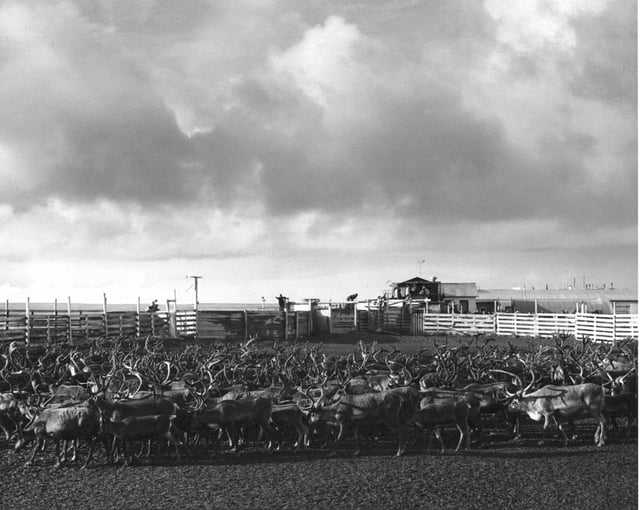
column 606, row 301
column 439, row 297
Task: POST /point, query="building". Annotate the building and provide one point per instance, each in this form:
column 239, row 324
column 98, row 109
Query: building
column 524, row 300
column 439, row 297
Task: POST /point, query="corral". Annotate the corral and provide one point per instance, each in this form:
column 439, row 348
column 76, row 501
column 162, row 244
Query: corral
column 47, row 325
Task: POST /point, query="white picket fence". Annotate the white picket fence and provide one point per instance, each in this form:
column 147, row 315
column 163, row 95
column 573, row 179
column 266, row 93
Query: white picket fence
column 581, row 325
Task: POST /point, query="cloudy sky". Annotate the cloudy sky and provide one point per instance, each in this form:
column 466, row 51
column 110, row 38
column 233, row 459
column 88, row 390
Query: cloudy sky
column 314, row 148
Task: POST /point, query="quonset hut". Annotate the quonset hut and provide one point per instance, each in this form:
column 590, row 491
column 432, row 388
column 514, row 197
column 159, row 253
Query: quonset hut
column 558, row 301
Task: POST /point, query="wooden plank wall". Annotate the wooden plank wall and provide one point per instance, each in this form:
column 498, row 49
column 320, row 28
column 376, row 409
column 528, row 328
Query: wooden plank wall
column 342, row 319
column 242, row 325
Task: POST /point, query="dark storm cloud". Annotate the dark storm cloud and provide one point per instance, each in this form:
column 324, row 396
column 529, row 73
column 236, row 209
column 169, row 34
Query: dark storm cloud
column 606, row 64
column 429, row 158
column 411, row 146
column 135, row 155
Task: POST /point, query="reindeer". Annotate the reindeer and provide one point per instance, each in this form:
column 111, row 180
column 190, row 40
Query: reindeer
column 351, row 410
column 554, row 402
column 432, row 416
column 66, row 423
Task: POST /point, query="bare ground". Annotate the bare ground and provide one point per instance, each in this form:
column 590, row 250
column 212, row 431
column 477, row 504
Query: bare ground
column 498, row 476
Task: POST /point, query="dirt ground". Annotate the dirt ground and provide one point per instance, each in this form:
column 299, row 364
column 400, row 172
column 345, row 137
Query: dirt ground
column 500, row 475
column 342, row 344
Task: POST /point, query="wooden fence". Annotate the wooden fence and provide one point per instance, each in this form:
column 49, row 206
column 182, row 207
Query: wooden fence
column 347, row 318
column 581, row 325
column 47, row 327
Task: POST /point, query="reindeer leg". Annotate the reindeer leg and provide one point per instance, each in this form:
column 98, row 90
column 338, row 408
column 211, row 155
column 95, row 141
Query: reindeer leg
column 572, row 428
column 356, row 438
column 127, row 459
column 58, row 462
column 629, row 425
column 74, row 445
column 564, row 435
column 233, row 437
column 36, row 448
column 335, row 438
column 461, row 437
column 92, row 447
column 230, row 437
column 438, row 435
column 62, row 453
column 145, row 446
column 614, row 425
column 401, row 439
column 545, row 428
column 467, row 434
column 114, row 450
column 172, row 442
column 600, row 439
column 429, row 438
column 303, row 433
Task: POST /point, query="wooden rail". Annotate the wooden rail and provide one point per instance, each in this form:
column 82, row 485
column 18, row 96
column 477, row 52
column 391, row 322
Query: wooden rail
column 581, row 325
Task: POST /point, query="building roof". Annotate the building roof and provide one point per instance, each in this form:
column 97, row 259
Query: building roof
column 415, row 279
column 468, row 289
column 558, row 294
column 562, row 306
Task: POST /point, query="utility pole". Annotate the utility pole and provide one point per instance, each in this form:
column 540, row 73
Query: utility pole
column 195, row 288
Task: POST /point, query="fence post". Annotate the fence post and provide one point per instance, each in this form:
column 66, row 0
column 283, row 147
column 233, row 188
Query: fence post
column 70, row 332
column 28, row 322
column 86, row 324
column 297, row 325
column 355, row 316
column 245, row 320
column 138, row 326
column 286, row 324
column 55, row 321
column 104, row 313
column 6, row 314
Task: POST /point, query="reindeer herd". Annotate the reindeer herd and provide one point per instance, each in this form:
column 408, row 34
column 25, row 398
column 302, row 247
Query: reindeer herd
column 133, row 396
